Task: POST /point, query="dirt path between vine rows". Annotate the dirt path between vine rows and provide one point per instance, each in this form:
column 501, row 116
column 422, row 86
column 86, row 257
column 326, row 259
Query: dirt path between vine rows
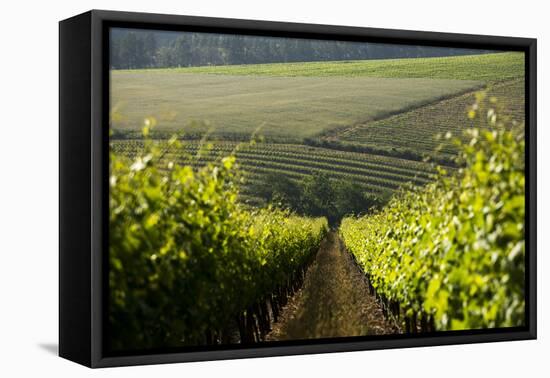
column 333, row 302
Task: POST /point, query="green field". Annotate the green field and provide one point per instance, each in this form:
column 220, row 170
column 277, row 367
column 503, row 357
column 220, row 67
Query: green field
column 298, row 100
column 285, row 107
column 487, row 67
column 388, row 111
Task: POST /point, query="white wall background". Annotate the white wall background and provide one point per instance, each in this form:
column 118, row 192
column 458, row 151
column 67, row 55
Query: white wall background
column 29, row 186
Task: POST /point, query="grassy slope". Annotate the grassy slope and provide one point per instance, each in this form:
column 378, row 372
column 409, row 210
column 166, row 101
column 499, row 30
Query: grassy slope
column 285, row 107
column 488, row 67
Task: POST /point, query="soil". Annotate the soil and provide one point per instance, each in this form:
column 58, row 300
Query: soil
column 333, row 302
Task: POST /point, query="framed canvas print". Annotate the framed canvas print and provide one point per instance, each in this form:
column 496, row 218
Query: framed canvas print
column 233, row 188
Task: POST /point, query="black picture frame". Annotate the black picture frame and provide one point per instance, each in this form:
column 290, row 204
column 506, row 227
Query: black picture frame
column 83, row 193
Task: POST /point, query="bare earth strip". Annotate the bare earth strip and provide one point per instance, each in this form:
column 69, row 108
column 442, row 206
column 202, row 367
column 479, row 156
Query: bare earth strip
column 334, row 301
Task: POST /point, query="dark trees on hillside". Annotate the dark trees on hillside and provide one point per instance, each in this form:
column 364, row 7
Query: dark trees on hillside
column 149, row 44
column 280, row 191
column 133, row 50
column 130, row 50
column 350, row 198
column 145, row 49
column 317, row 195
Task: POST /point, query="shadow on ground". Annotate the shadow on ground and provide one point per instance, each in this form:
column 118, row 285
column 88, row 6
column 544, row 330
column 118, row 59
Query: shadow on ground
column 51, row 348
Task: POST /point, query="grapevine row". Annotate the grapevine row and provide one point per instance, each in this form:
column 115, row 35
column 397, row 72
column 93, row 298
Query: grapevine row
column 191, row 266
column 451, row 256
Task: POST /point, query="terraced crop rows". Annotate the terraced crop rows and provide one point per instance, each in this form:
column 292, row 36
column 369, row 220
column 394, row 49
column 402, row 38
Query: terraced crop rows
column 377, row 174
column 416, row 129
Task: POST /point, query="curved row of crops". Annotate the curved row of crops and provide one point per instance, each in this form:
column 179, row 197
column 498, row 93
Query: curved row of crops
column 441, row 117
column 376, row 174
column 291, row 150
column 188, row 264
column 452, row 254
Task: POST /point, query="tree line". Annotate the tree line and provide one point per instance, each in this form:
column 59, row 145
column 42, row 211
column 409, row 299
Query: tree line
column 131, row 49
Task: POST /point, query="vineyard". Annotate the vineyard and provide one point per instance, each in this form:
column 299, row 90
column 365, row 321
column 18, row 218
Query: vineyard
column 291, row 201
column 451, row 256
column 188, row 260
column 375, row 173
column 380, row 129
column 439, row 118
